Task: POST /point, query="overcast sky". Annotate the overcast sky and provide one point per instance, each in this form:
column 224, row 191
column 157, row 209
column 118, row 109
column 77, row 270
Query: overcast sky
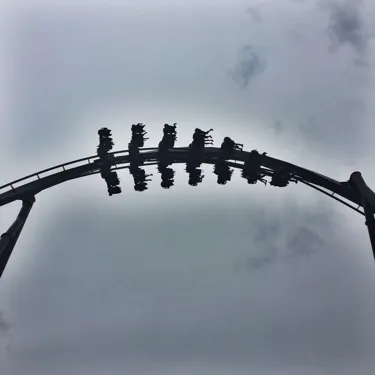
column 233, row 279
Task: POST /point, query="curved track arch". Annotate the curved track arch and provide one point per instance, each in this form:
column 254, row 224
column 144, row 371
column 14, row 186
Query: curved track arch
column 25, row 189
column 12, row 191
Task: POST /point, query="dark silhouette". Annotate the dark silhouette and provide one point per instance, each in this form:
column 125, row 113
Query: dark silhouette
column 106, row 145
column 354, row 190
column 167, row 177
column 137, row 141
column 195, row 176
column 167, row 143
column 138, row 134
column 200, row 139
column 195, row 158
column 223, row 172
column 112, row 180
column 282, row 177
column 228, row 147
column 192, row 167
column 169, row 137
column 136, row 158
column 140, row 178
column 164, row 155
column 252, row 168
column 105, row 142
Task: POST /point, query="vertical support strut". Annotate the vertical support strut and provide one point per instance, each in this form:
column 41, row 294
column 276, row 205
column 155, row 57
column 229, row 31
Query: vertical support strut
column 368, row 203
column 370, row 222
column 10, row 237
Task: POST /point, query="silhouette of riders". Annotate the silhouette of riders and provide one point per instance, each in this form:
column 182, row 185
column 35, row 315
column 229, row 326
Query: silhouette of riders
column 195, row 176
column 110, row 177
column 137, row 141
column 252, row 171
column 167, row 143
column 164, row 155
column 105, row 142
column 169, row 136
column 282, row 177
column 223, row 172
column 167, row 177
column 140, row 178
column 229, row 146
column 138, row 133
column 195, row 158
column 201, row 139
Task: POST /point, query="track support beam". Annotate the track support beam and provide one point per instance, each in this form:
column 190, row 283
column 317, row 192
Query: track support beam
column 9, row 239
column 368, row 203
column 370, row 222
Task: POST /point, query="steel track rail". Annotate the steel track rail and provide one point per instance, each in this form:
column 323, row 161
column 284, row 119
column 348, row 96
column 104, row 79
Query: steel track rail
column 11, row 192
column 354, row 190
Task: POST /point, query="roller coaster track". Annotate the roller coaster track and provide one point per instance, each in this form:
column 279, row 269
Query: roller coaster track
column 353, row 193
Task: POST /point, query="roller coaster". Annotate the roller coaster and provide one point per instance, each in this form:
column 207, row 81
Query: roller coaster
column 255, row 167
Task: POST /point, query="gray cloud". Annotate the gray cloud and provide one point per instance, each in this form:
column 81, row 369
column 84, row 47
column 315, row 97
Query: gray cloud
column 4, row 325
column 347, row 26
column 267, row 245
column 5, row 344
column 272, row 246
column 157, row 290
column 304, row 243
column 279, row 127
column 362, row 63
column 250, row 64
column 145, row 283
column 79, row 88
column 255, row 13
column 260, row 261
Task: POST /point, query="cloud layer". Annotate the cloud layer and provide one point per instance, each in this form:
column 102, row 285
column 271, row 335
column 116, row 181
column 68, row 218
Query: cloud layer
column 232, row 279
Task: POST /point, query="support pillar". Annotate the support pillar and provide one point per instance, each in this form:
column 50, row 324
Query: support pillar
column 370, row 222
column 10, row 237
column 368, row 203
